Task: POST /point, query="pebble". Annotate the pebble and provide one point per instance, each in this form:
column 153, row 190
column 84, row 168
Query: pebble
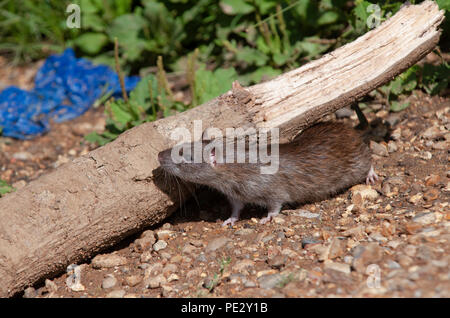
column 392, row 146
column 109, row 282
column 397, row 134
column 378, row 149
column 216, row 243
column 244, row 265
column 170, row 268
column 393, row 265
column 159, row 245
column 393, row 119
column 306, row 214
column 277, row 262
column 155, row 281
column 146, row 257
column 339, row 267
column 366, row 255
column 415, row 198
column 50, row 286
column 432, row 133
column 243, row 232
column 431, row 195
column 173, row 277
column 425, row 218
column 22, row 155
column 133, row 280
column 19, row 184
column 432, row 180
column 30, row 292
column 189, row 249
column 270, row 281
column 145, row 242
column 165, row 234
column 120, row 293
column 365, row 191
column 108, row 261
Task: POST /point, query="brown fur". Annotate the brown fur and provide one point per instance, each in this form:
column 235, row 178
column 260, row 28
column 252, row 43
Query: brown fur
column 322, row 161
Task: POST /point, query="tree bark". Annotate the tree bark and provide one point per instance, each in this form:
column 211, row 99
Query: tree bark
column 98, row 199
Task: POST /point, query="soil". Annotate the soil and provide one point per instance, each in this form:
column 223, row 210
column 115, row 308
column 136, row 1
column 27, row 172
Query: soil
column 386, row 240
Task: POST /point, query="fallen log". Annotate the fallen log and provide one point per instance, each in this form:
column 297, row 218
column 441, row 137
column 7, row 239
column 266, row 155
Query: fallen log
column 98, row 199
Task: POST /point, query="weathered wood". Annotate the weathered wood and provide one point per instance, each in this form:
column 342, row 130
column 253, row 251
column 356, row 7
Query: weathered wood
column 98, row 199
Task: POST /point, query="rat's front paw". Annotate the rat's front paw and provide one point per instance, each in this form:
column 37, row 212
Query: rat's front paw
column 230, row 220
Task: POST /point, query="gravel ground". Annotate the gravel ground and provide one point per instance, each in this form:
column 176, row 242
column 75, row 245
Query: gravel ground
column 386, row 240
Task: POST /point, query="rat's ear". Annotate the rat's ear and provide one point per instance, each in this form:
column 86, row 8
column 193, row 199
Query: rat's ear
column 212, row 157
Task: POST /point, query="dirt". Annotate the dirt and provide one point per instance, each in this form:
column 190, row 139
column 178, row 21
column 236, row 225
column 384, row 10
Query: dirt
column 386, row 240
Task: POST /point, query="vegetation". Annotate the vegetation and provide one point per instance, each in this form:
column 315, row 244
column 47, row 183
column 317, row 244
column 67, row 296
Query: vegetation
column 212, row 42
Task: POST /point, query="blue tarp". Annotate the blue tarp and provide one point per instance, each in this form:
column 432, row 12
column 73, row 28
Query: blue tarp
column 65, row 87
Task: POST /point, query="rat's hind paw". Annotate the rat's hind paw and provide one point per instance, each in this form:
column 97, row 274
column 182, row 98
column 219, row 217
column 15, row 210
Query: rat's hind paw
column 372, row 177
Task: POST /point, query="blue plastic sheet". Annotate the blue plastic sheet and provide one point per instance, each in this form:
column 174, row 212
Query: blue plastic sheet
column 65, row 87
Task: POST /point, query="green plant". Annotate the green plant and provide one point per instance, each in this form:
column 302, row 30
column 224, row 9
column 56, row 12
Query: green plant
column 5, row 187
column 223, row 263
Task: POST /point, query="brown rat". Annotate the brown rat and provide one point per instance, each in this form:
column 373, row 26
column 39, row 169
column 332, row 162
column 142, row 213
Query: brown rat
column 320, row 162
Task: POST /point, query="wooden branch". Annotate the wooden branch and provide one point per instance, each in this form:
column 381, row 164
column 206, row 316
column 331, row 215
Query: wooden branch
column 98, row 199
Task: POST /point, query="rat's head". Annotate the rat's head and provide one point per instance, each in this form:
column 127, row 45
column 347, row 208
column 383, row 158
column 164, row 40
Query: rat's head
column 195, row 162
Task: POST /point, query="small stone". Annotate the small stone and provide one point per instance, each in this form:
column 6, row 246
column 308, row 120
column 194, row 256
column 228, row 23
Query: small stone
column 278, row 220
column 337, row 248
column 270, row 281
column 339, row 267
column 133, row 280
column 109, row 282
column 216, row 243
column 155, row 281
column 365, row 191
column 165, row 234
column 378, row 149
column 426, row 155
column 415, row 198
column 170, row 268
column 425, row 218
column 116, row 294
column 173, row 277
column 393, row 265
column 22, row 155
column 243, row 232
column 50, row 286
column 366, row 255
column 108, row 261
column 357, row 232
column 392, row 146
column 441, row 145
column 432, row 133
column 432, row 180
column 277, row 262
column 405, row 260
column 189, row 249
column 159, row 245
column 431, row 195
column 244, row 265
column 144, row 243
column 306, row 214
column 176, row 259
column 30, row 292
column 309, row 240
column 197, row 243
column 146, row 257
column 397, row 134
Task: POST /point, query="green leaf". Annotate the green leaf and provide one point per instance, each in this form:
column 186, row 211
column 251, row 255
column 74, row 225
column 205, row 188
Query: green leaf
column 97, row 139
column 233, row 7
column 397, row 106
column 435, row 78
column 443, row 4
column 91, row 43
column 120, row 112
column 262, row 73
column 252, row 56
column 5, row 187
column 209, row 85
column 328, row 17
column 141, row 94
